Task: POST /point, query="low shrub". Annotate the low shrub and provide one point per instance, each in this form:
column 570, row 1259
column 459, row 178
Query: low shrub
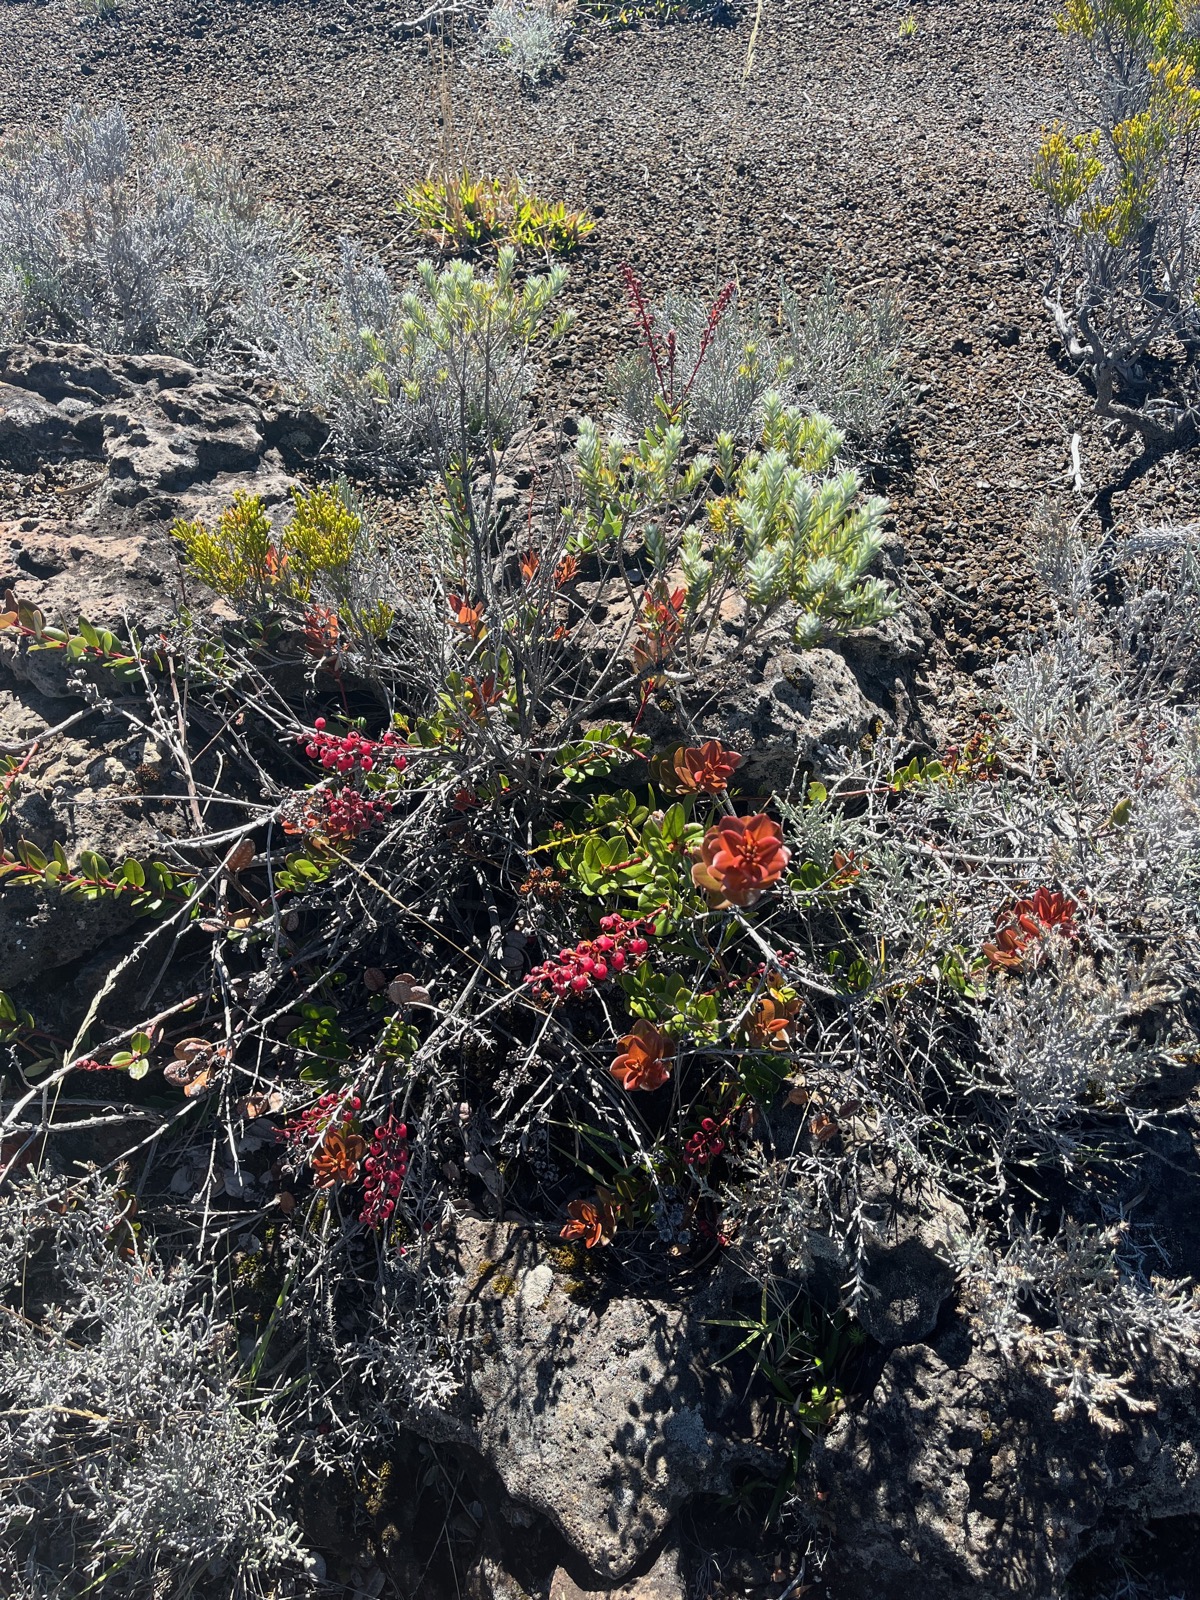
column 718, row 361
column 323, row 558
column 846, row 361
column 793, row 533
column 463, row 213
column 399, row 374
column 131, row 245
column 700, row 357
column 1119, row 194
column 134, row 1452
column 528, row 37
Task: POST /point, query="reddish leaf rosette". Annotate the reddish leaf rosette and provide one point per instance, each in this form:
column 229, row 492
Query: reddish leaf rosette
column 645, row 1061
column 707, row 767
column 740, row 858
column 337, row 1158
column 771, row 1021
column 594, row 1222
column 1027, row 923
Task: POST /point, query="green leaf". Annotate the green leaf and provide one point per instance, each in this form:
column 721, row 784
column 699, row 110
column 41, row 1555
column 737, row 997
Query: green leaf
column 133, row 872
column 30, row 855
column 674, row 822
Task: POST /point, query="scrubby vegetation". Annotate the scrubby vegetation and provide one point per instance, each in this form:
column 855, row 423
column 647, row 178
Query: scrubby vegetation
column 130, row 244
column 1119, row 190
column 488, row 899
column 960, row 969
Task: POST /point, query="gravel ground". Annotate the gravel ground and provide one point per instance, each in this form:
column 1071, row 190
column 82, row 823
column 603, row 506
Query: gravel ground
column 835, row 144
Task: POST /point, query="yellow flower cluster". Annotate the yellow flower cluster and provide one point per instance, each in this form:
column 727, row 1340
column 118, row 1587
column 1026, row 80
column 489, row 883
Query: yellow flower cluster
column 1111, row 192
column 240, row 556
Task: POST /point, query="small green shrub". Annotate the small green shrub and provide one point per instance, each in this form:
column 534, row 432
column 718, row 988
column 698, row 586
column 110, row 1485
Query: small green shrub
column 408, row 375
column 464, row 212
column 319, row 551
column 237, row 556
column 791, row 534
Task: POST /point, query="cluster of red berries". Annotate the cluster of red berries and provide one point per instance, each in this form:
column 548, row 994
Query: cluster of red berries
column 345, row 813
column 706, row 1144
column 344, row 752
column 386, row 1167
column 574, row 971
column 311, row 1126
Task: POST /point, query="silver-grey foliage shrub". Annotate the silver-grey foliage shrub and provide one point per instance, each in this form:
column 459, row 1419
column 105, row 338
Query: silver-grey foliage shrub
column 526, row 36
column 846, row 360
column 437, row 370
column 1056, row 1067
column 1083, row 1306
column 824, row 355
column 724, row 388
column 342, row 350
column 130, row 244
column 131, row 1451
